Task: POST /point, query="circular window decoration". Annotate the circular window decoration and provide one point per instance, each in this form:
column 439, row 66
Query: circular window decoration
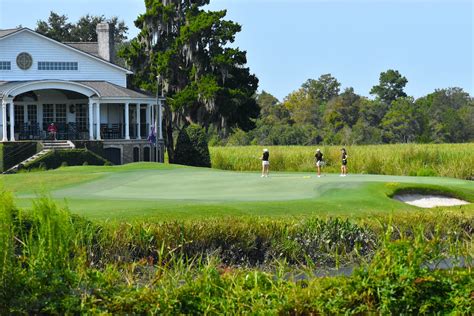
column 24, row 61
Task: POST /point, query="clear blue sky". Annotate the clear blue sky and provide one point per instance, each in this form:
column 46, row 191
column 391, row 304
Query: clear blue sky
column 289, row 41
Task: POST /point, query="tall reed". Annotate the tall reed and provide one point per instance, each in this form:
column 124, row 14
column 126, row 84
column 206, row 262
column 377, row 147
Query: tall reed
column 450, row 160
column 7, row 249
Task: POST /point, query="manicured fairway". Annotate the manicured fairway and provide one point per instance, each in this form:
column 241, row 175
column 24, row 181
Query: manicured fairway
column 163, row 192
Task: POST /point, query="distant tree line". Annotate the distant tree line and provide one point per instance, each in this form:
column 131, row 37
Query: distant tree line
column 59, row 28
column 318, row 112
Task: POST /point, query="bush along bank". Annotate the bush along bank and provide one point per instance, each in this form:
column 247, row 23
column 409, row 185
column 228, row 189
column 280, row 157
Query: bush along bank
column 54, row 262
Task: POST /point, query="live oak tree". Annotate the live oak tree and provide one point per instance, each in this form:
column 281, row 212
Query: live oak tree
column 204, row 79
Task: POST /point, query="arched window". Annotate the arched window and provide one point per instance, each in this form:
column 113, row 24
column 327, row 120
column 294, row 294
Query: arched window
column 146, row 154
column 136, row 154
column 114, row 155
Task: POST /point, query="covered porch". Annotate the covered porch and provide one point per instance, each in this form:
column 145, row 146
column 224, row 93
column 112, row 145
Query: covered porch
column 79, row 110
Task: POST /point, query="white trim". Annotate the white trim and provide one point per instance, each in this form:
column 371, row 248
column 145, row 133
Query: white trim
column 52, row 84
column 4, row 121
column 125, row 99
column 97, row 118
column 91, row 119
column 12, row 121
column 127, row 121
column 69, row 47
column 138, row 118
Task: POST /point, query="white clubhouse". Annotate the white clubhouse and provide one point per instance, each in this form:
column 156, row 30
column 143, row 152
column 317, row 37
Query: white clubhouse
column 79, row 88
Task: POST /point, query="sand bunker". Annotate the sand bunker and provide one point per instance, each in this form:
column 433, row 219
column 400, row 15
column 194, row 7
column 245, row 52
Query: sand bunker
column 429, row 201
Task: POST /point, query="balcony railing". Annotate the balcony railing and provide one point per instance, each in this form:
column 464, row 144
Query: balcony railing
column 71, row 131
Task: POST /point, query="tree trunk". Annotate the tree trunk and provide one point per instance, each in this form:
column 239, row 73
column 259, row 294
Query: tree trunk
column 168, row 132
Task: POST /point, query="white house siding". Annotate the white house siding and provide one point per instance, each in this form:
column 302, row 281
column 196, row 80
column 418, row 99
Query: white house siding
column 42, row 49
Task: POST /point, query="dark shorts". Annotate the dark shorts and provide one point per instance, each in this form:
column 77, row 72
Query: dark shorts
column 344, row 162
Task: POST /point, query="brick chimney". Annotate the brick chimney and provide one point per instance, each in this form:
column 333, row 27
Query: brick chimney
column 105, row 40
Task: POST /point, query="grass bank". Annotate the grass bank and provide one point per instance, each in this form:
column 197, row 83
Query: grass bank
column 445, row 160
column 54, row 262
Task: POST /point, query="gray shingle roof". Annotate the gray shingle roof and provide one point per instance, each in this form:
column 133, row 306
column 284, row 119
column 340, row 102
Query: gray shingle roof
column 107, row 89
column 104, row 88
column 87, row 47
column 8, row 32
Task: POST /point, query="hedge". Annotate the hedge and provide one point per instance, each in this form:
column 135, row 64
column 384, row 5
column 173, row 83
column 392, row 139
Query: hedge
column 192, row 148
column 96, row 146
column 12, row 153
column 71, row 157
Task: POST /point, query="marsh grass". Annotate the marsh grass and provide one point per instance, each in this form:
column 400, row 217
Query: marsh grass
column 446, row 160
column 55, row 263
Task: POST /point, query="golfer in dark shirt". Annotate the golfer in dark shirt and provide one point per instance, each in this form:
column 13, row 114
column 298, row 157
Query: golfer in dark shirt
column 344, row 162
column 265, row 163
column 319, row 161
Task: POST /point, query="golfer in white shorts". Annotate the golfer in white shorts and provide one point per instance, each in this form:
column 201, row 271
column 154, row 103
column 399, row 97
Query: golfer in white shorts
column 265, row 163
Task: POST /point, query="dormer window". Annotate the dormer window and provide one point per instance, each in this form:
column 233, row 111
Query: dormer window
column 5, row 65
column 58, row 65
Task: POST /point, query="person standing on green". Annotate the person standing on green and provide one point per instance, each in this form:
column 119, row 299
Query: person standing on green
column 319, row 161
column 344, row 162
column 265, row 163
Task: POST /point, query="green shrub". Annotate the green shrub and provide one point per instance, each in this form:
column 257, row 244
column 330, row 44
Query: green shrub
column 238, row 138
column 426, row 172
column 192, row 148
column 71, row 157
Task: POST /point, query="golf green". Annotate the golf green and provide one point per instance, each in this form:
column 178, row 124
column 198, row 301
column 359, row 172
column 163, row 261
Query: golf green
column 160, row 192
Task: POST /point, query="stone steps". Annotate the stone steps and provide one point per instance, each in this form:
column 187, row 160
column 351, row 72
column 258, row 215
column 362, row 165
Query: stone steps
column 58, row 144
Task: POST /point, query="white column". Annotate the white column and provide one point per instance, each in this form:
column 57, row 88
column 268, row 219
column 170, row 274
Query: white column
column 12, row 122
column 139, row 136
column 91, row 120
column 4, row 121
column 127, row 122
column 97, row 118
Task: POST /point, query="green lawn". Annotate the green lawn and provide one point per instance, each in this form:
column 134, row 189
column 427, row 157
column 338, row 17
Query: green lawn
column 165, row 192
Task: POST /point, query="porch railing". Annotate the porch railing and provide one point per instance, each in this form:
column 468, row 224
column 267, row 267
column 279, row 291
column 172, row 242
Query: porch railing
column 73, row 131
